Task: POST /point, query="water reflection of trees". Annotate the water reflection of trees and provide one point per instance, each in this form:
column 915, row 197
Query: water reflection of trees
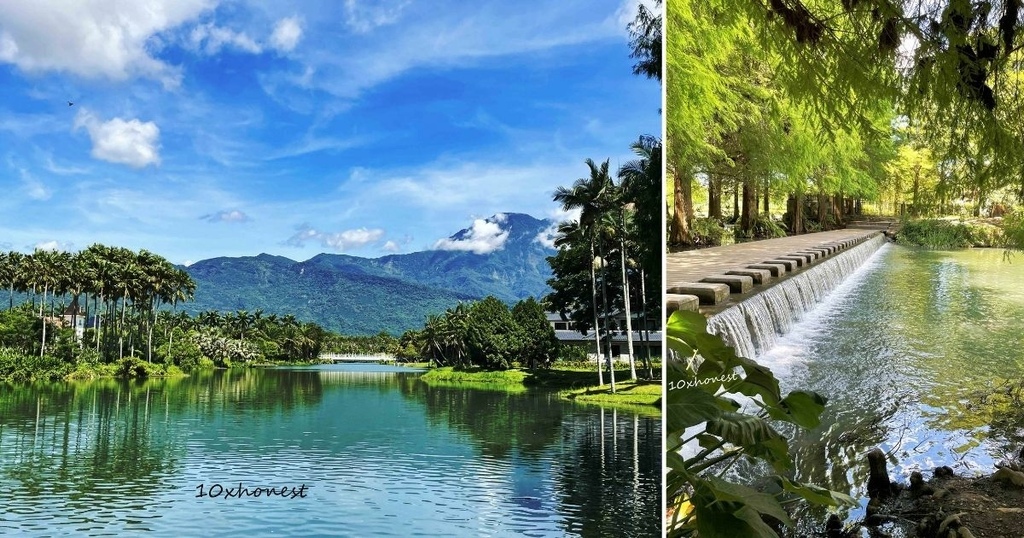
column 612, row 474
column 607, row 463
column 500, row 423
column 92, row 443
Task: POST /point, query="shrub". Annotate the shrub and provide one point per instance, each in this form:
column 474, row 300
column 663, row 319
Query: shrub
column 134, row 367
column 935, row 234
column 1013, row 230
column 707, row 232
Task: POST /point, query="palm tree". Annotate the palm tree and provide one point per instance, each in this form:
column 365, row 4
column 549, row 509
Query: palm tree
column 44, row 273
column 592, row 195
column 641, row 184
column 12, row 273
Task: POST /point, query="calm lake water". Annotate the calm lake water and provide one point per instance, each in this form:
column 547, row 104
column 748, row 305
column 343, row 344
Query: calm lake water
column 920, row 353
column 378, row 451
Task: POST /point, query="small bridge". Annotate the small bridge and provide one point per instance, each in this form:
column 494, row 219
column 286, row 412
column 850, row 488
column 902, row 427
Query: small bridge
column 379, row 358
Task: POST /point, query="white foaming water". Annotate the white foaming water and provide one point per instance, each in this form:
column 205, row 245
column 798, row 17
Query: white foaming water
column 767, row 323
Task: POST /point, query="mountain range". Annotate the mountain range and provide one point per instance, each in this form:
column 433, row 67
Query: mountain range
column 503, row 255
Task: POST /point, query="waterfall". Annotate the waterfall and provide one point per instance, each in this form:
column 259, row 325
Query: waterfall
column 755, row 325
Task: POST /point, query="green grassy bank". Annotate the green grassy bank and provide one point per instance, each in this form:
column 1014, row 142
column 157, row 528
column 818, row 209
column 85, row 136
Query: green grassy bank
column 954, row 233
column 576, row 384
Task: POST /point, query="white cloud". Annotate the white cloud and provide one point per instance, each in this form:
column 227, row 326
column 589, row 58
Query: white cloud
column 484, row 237
column 548, row 235
column 287, row 34
column 130, row 142
column 92, row 38
column 233, row 215
column 391, row 246
column 211, row 39
column 54, row 245
column 365, row 16
column 339, row 241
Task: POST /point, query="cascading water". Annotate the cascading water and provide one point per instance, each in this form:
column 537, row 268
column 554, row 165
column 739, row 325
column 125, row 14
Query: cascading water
column 755, row 325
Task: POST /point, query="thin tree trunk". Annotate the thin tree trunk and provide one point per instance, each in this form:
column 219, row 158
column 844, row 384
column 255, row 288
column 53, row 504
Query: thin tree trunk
column 593, row 304
column 647, row 332
column 625, row 300
column 604, row 302
column 42, row 305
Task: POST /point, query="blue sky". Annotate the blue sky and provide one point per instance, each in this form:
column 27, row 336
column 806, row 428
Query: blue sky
column 205, row 128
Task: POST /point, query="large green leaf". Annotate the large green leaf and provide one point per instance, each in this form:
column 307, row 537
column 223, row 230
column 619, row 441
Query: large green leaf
column 755, row 435
column 802, row 408
column 817, row 495
column 725, row 510
column 688, row 407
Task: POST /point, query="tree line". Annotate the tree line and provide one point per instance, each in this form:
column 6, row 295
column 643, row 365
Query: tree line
column 117, row 289
column 812, row 110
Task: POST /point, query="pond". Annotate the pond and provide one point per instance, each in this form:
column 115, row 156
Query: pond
column 920, row 354
column 349, row 450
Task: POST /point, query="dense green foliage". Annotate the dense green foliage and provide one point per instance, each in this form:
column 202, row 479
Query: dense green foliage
column 486, row 334
column 596, row 278
column 813, row 111
column 705, row 378
column 124, row 289
column 948, row 234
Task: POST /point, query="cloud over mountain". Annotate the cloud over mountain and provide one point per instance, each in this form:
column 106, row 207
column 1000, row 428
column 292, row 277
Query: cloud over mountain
column 484, row 237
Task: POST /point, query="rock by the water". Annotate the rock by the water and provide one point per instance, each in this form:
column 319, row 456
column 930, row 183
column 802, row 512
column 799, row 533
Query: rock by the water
column 1009, row 476
column 878, row 476
column 943, row 472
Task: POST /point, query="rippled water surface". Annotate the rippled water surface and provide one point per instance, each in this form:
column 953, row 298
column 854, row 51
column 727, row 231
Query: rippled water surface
column 378, row 451
column 921, row 354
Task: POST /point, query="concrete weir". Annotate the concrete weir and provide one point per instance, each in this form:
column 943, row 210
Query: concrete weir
column 753, row 324
column 711, row 280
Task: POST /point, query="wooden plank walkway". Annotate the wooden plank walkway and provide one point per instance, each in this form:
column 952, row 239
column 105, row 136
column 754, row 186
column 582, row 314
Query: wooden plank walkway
column 707, row 277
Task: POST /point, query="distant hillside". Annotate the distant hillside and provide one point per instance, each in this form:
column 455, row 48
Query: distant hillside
column 354, row 295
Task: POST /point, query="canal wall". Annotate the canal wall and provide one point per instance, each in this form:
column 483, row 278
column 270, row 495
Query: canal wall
column 751, row 306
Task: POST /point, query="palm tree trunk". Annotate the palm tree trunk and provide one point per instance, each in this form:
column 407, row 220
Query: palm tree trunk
column 647, row 331
column 604, row 303
column 593, row 304
column 625, row 300
column 42, row 305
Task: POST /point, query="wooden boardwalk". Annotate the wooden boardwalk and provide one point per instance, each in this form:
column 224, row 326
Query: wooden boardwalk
column 707, row 277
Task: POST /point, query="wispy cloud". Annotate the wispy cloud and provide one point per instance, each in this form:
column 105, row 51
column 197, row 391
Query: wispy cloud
column 210, row 39
column 232, row 215
column 363, row 16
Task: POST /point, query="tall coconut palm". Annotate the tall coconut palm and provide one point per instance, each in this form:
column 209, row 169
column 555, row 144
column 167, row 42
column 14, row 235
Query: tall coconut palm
column 12, row 273
column 591, row 195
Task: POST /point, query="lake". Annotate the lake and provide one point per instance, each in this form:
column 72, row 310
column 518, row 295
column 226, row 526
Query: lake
column 350, row 450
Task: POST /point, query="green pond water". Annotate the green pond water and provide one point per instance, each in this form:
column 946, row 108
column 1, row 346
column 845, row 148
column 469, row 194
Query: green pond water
column 356, row 450
column 920, row 353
